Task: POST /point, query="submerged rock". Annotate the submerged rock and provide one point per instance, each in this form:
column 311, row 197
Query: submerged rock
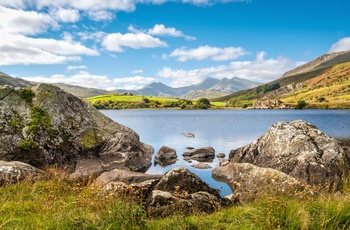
column 205, row 154
column 201, row 165
column 165, row 156
column 48, row 126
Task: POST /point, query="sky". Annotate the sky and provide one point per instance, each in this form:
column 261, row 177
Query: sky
column 126, row 44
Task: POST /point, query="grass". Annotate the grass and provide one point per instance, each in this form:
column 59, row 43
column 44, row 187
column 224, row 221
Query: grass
column 56, row 204
column 114, row 101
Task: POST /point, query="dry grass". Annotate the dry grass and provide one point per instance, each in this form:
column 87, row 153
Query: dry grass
column 55, row 203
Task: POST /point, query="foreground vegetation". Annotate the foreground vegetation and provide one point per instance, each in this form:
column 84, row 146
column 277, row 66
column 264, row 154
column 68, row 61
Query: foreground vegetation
column 115, row 101
column 56, row 204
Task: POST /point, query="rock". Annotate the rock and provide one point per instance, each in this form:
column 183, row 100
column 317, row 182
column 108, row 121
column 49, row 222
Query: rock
column 201, row 165
column 205, row 154
column 165, row 156
column 181, row 190
column 49, row 126
column 298, row 149
column 164, row 203
column 221, row 155
column 189, row 147
column 86, row 169
column 124, row 176
column 248, row 181
column 12, row 172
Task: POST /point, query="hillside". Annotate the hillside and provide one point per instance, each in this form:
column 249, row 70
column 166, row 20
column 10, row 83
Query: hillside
column 77, row 91
column 321, row 83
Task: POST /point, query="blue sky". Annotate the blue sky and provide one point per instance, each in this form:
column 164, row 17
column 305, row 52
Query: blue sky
column 111, row 44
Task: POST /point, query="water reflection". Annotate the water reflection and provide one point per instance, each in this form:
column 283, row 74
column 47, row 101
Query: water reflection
column 224, row 130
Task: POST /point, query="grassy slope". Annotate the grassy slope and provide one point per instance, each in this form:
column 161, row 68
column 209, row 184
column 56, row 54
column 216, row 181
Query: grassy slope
column 331, row 83
column 113, row 98
column 57, row 204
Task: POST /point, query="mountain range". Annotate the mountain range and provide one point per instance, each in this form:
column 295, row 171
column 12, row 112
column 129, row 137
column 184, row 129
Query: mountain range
column 209, row 88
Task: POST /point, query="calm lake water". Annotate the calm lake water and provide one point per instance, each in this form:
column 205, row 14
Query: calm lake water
column 222, row 129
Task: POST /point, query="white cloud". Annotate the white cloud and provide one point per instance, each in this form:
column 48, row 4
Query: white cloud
column 86, row 79
column 65, row 15
column 341, row 45
column 116, row 41
column 19, row 49
column 208, row 52
column 161, row 30
column 100, row 15
column 71, row 67
column 136, row 71
column 260, row 70
column 24, row 22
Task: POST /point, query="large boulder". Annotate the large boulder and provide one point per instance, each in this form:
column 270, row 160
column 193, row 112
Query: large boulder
column 181, row 190
column 48, row 126
column 298, row 149
column 249, row 182
column 13, row 172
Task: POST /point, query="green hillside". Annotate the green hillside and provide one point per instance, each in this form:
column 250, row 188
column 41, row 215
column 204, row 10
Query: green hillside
column 321, row 88
column 115, row 101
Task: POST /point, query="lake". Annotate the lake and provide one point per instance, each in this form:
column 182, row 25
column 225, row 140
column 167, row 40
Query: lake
column 222, row 129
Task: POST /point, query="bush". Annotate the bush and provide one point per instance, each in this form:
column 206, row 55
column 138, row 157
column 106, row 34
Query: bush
column 27, row 94
column 300, row 105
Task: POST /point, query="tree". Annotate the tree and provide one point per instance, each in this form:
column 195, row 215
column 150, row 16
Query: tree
column 300, row 104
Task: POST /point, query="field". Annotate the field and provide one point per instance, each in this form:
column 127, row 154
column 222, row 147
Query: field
column 114, row 101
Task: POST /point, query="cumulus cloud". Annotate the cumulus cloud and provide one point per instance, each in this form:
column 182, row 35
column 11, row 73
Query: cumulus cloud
column 208, row 52
column 341, row 45
column 19, row 49
column 161, row 30
column 24, row 22
column 116, row 41
column 86, row 79
column 260, row 70
column 65, row 15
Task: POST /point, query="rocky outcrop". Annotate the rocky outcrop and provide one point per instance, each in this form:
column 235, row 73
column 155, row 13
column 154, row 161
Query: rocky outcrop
column 205, row 154
column 165, row 156
column 14, row 172
column 298, row 149
column 48, row 126
column 267, row 104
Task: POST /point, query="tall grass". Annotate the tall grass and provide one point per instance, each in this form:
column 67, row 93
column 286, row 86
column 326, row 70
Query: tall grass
column 55, row 203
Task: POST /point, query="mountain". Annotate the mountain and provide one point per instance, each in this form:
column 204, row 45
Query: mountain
column 208, row 88
column 77, row 91
column 320, row 83
column 15, row 82
column 324, row 61
column 81, row 92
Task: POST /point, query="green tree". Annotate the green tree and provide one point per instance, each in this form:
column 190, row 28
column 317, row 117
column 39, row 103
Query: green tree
column 300, row 105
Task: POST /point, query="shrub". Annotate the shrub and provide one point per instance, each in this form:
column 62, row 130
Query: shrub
column 27, row 94
column 300, row 105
